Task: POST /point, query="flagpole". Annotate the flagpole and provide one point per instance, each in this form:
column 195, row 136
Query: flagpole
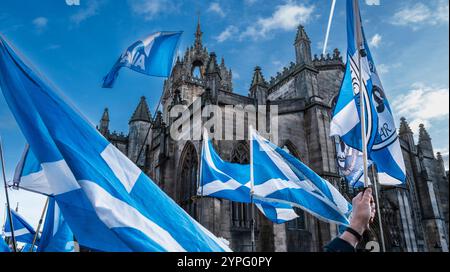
column 362, row 117
column 380, row 223
column 39, row 225
column 11, row 224
column 252, row 235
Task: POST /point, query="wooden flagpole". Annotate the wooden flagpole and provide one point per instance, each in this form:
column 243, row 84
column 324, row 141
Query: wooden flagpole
column 380, row 223
column 252, row 235
column 39, row 225
column 11, row 224
column 361, row 52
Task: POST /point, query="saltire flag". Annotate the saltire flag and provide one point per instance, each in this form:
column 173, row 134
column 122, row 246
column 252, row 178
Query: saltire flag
column 383, row 145
column 108, row 202
column 56, row 235
column 350, row 163
column 29, row 175
column 3, row 245
column 151, row 56
column 27, row 248
column 23, row 232
column 221, row 179
column 280, row 177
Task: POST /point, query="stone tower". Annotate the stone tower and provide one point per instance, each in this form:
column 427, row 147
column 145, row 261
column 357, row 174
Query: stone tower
column 139, row 125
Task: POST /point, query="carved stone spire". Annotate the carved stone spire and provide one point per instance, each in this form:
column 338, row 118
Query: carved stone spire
column 423, row 134
column 104, row 122
column 404, row 127
column 198, row 35
column 141, row 113
column 258, row 78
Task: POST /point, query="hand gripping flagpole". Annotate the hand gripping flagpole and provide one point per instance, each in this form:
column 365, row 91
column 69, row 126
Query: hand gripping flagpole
column 362, row 53
column 39, row 225
column 11, row 224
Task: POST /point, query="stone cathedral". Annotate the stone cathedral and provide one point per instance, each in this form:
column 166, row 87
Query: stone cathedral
column 414, row 218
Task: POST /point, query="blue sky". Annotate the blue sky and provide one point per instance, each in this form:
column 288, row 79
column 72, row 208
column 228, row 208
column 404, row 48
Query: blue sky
column 75, row 46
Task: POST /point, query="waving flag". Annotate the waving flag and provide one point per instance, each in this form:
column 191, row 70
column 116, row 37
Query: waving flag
column 381, row 134
column 29, row 175
column 151, row 56
column 27, row 248
column 281, row 177
column 231, row 181
column 103, row 196
column 23, row 232
column 56, row 235
column 350, row 163
column 3, row 246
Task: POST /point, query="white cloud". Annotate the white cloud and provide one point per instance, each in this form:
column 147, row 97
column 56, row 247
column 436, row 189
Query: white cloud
column 423, row 104
column 150, row 9
column 285, row 17
column 40, row 23
column 216, row 8
column 229, row 32
column 373, row 2
column 375, row 41
column 89, row 10
column 421, row 14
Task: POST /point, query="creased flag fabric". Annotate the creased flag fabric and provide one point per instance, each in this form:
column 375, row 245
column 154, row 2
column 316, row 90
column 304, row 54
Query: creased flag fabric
column 108, row 202
column 231, row 181
column 3, row 246
column 27, row 248
column 350, row 163
column 280, row 177
column 56, row 234
column 23, row 232
column 29, row 175
column 151, row 56
column 383, row 145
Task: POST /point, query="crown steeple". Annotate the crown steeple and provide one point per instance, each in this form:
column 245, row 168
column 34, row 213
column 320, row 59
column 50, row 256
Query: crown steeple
column 198, row 35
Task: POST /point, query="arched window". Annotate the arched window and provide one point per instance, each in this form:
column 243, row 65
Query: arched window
column 197, row 69
column 188, row 178
column 241, row 215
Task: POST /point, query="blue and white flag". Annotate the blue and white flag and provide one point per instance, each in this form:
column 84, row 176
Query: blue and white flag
column 383, row 145
column 280, row 177
column 29, row 175
column 56, row 235
column 27, row 248
column 23, row 232
column 151, row 56
column 231, row 181
column 350, row 163
column 108, row 202
column 4, row 246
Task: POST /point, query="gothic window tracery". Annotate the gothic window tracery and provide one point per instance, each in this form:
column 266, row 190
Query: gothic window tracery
column 188, row 178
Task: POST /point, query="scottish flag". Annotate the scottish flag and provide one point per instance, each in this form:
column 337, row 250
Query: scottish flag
column 27, row 248
column 350, row 163
column 231, row 181
column 151, row 56
column 29, row 175
column 23, row 232
column 3, row 246
column 381, row 134
column 56, row 234
column 108, row 202
column 280, row 177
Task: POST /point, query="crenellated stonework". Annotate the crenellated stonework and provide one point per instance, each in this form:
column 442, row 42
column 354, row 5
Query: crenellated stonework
column 415, row 218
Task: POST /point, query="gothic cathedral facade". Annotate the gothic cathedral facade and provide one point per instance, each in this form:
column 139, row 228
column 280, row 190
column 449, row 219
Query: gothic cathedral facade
column 414, row 218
